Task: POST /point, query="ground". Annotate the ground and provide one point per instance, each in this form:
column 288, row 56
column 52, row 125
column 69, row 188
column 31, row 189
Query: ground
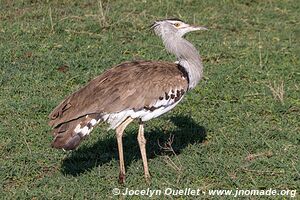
column 239, row 128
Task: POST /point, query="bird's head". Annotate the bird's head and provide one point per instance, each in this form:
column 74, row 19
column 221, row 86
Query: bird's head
column 169, row 27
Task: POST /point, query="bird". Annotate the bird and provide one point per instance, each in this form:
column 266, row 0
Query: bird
column 134, row 90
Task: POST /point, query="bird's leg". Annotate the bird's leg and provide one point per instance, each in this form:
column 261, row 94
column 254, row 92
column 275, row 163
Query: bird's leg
column 119, row 131
column 142, row 143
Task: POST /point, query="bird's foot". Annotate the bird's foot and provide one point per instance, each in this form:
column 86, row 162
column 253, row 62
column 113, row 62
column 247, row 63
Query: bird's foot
column 121, row 178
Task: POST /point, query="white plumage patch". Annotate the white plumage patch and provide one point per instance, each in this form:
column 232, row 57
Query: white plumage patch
column 85, row 130
column 93, row 122
column 145, row 114
column 77, row 129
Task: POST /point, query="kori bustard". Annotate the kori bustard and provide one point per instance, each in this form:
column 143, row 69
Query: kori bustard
column 139, row 90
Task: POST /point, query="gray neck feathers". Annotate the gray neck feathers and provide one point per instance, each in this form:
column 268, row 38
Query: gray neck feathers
column 187, row 56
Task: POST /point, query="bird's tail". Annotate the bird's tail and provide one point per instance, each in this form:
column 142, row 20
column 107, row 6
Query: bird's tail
column 70, row 134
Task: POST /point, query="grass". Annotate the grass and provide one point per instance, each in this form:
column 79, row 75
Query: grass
column 238, row 129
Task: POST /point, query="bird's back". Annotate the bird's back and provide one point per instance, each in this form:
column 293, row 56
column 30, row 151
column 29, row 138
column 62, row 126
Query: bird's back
column 129, row 86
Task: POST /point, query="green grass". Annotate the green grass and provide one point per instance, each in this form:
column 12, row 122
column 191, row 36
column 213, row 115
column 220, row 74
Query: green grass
column 232, row 131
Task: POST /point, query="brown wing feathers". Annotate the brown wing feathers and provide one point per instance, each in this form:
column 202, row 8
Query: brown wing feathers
column 130, row 85
column 69, row 135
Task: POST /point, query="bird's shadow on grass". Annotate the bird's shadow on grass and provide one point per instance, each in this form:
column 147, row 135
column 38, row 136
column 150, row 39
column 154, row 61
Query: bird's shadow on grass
column 85, row 158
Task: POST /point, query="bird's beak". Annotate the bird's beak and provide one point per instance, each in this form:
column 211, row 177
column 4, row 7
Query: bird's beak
column 199, row 28
column 152, row 26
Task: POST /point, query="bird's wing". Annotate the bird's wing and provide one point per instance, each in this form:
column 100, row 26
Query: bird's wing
column 131, row 85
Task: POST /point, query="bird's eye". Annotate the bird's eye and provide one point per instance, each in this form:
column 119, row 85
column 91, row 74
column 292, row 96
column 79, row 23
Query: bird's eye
column 177, row 25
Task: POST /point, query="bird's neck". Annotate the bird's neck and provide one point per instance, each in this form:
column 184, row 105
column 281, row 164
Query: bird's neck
column 187, row 56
